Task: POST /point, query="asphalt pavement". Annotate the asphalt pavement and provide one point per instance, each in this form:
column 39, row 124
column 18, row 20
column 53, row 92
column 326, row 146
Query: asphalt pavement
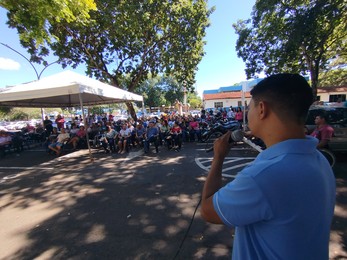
column 131, row 206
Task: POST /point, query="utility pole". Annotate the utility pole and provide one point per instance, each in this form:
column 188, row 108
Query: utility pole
column 185, row 95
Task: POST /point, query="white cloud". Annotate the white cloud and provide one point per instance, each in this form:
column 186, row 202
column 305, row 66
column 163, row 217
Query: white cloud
column 8, row 64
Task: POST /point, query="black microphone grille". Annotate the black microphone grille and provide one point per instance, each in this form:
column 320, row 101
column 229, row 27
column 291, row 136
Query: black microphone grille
column 237, row 135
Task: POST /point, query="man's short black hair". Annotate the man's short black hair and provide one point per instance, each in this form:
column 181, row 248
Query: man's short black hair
column 289, row 95
column 323, row 115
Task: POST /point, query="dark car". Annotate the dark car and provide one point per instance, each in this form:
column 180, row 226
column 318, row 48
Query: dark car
column 337, row 118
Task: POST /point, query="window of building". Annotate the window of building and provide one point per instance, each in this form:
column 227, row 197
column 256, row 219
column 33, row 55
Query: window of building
column 335, row 98
column 218, row 104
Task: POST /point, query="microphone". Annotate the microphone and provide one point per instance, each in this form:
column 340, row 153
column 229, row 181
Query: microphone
column 235, row 136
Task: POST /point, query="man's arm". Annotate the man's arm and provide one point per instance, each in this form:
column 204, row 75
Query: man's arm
column 214, row 180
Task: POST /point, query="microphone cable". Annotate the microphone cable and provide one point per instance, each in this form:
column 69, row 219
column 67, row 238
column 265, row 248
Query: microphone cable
column 245, row 140
column 187, row 231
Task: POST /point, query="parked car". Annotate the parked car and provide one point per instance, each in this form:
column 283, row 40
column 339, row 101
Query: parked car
column 195, row 113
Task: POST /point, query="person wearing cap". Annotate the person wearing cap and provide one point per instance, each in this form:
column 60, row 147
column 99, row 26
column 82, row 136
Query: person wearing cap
column 151, row 136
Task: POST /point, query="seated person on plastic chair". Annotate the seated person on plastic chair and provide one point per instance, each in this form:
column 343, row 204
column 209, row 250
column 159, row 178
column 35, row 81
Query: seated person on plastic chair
column 151, row 136
column 124, row 135
column 176, row 136
column 59, row 142
column 109, row 140
column 51, row 138
column 74, row 129
column 79, row 136
column 140, row 132
column 194, row 129
column 164, row 131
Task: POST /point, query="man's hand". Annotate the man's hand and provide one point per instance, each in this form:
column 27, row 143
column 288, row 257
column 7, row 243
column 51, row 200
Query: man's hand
column 221, row 146
column 213, row 182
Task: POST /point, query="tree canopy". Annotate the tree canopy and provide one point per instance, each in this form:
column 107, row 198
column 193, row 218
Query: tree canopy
column 335, row 73
column 33, row 18
column 292, row 36
column 131, row 39
column 166, row 91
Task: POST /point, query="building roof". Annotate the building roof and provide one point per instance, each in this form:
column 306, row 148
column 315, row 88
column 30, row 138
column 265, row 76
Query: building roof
column 223, row 89
column 225, row 95
column 230, row 88
column 332, row 89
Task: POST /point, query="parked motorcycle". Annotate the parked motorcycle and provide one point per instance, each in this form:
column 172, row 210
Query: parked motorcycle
column 216, row 130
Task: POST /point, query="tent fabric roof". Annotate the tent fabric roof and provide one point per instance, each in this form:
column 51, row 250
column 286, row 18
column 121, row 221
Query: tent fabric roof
column 64, row 89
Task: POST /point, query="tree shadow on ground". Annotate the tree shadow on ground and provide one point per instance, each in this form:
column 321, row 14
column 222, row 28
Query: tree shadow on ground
column 113, row 208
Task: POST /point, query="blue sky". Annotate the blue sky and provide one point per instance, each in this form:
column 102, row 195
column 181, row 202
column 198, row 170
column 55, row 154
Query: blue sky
column 219, row 67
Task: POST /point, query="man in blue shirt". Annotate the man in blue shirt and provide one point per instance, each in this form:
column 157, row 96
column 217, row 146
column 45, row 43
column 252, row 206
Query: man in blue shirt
column 152, row 134
column 282, row 204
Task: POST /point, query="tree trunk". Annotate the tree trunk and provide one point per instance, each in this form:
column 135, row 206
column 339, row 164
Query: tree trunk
column 314, row 70
column 131, row 110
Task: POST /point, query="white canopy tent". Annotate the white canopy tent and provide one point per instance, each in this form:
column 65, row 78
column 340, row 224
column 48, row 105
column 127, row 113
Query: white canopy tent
column 65, row 89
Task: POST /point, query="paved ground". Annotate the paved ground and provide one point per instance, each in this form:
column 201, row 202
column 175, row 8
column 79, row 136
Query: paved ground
column 121, row 206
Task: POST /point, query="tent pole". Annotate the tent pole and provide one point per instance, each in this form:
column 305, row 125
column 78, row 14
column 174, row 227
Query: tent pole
column 42, row 114
column 244, row 85
column 143, row 109
column 86, row 127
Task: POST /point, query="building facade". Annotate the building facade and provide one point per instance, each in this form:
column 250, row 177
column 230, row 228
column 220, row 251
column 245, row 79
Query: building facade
column 332, row 94
column 233, row 95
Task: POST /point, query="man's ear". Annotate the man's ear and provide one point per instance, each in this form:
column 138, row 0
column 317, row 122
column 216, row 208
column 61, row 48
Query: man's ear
column 263, row 109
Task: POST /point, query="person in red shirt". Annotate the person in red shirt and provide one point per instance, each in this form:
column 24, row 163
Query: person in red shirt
column 176, row 136
column 239, row 115
column 194, row 129
column 80, row 134
column 323, row 132
column 60, row 122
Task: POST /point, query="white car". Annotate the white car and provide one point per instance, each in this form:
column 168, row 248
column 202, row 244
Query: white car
column 195, row 113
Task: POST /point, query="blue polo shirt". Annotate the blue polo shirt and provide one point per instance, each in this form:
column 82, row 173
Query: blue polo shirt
column 152, row 131
column 282, row 204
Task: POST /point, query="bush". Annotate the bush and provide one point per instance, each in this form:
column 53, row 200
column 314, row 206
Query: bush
column 16, row 113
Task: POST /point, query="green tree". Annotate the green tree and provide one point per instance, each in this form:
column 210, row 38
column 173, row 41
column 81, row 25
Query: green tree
column 194, row 100
column 33, row 18
column 161, row 90
column 335, row 74
column 172, row 90
column 292, row 36
column 134, row 39
column 152, row 92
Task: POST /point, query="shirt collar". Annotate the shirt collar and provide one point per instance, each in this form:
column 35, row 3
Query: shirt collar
column 298, row 146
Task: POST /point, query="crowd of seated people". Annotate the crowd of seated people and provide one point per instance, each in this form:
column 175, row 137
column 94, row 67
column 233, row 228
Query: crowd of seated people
column 173, row 129
column 119, row 136
column 122, row 135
